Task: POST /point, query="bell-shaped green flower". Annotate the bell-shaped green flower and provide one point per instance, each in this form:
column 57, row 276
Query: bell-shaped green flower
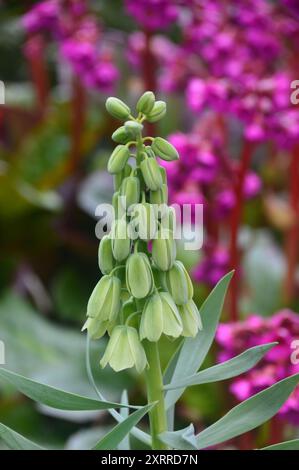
column 146, row 102
column 105, row 255
column 158, row 111
column 143, row 221
column 151, row 324
column 130, row 190
column 117, row 108
column 133, row 127
column 139, row 276
column 172, row 323
column 151, row 173
column 178, row 283
column 164, row 250
column 104, row 302
column 120, row 240
column 124, row 350
column 164, row 149
column 96, row 328
column 190, row 318
column 118, row 159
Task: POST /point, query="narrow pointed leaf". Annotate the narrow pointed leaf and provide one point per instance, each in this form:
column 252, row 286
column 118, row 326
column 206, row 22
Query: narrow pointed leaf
column 249, row 414
column 54, row 397
column 16, row 441
column 124, row 412
column 183, row 439
column 226, row 370
column 119, row 432
column 287, row 445
column 194, row 350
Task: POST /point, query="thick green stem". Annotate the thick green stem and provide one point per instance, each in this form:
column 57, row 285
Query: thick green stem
column 154, row 383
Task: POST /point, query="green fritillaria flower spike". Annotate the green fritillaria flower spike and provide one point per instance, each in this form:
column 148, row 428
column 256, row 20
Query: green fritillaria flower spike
column 144, row 292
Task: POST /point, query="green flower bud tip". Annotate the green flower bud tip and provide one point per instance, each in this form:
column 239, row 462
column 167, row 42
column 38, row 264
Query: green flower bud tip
column 164, row 250
column 122, row 135
column 158, row 111
column 149, row 151
column 143, row 221
column 146, row 102
column 151, row 174
column 117, row 108
column 163, row 149
column 190, row 317
column 124, row 350
column 139, row 276
column 96, row 329
column 178, row 283
column 121, row 243
column 104, row 302
column 130, row 190
column 105, row 255
column 118, row 159
column 133, row 127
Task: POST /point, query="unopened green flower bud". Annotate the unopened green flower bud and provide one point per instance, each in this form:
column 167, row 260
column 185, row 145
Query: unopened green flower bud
column 139, row 276
column 190, row 318
column 164, row 250
column 158, row 111
column 168, row 219
column 133, row 127
column 104, row 302
column 151, row 324
column 151, row 173
column 178, row 283
column 144, row 222
column 149, row 151
column 105, row 255
column 160, row 196
column 124, row 350
column 117, row 108
column 146, row 102
column 118, row 159
column 164, row 149
column 122, row 135
column 130, row 189
column 120, row 240
column 119, row 177
column 172, row 323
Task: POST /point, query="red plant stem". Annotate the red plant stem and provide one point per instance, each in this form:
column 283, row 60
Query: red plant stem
column 292, row 247
column 78, row 116
column 235, row 228
column 148, row 72
column 39, row 73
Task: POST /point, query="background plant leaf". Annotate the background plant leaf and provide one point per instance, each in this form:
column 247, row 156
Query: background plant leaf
column 16, row 441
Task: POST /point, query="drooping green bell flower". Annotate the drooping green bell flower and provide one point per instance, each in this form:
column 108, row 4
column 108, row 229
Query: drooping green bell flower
column 124, row 350
column 104, row 302
column 139, row 276
column 190, row 318
column 178, row 283
column 120, row 240
column 164, row 250
column 105, row 255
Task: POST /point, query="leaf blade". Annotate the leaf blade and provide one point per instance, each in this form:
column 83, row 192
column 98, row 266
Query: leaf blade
column 119, row 432
column 287, row 445
column 226, row 370
column 54, row 397
column 16, row 441
column 194, row 350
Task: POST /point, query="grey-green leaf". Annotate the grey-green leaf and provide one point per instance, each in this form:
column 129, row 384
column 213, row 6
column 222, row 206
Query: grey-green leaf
column 54, row 397
column 119, row 432
column 194, row 350
column 124, row 412
column 16, row 441
column 287, row 445
column 226, row 370
column 182, row 439
column 246, row 416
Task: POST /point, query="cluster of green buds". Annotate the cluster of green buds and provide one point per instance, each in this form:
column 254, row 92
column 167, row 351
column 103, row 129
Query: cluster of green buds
column 144, row 292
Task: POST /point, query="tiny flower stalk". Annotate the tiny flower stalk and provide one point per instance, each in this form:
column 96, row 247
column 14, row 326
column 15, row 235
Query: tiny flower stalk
column 144, row 292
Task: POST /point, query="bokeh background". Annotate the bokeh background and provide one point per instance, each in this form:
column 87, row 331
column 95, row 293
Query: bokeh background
column 225, row 69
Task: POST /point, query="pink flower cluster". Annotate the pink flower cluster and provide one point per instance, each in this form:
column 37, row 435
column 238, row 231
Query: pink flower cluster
column 204, row 175
column 153, row 14
column 80, row 40
column 277, row 364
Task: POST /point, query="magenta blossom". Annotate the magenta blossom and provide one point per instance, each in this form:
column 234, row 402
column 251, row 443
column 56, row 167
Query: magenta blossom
column 277, row 364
